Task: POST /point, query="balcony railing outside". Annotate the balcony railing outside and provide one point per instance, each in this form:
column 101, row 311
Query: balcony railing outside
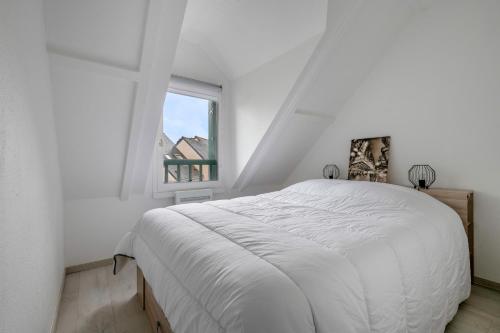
column 212, row 165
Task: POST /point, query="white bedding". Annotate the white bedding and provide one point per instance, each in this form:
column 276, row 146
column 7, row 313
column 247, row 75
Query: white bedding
column 319, row 256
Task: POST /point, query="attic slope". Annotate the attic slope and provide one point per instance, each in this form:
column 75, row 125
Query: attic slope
column 241, row 36
column 257, row 97
column 111, row 62
column 358, row 32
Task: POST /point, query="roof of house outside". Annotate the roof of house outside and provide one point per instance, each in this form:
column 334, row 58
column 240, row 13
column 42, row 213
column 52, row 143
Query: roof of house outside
column 199, row 144
column 168, row 144
column 171, row 151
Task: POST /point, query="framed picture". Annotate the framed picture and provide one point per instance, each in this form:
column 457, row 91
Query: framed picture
column 369, row 159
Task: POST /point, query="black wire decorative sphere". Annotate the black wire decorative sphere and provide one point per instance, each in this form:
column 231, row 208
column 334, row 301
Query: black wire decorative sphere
column 421, row 176
column 331, row 171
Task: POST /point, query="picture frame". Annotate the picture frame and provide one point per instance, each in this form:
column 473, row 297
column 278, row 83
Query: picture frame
column 369, row 159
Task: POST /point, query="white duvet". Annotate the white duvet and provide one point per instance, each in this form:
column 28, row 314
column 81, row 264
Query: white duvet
column 319, row 256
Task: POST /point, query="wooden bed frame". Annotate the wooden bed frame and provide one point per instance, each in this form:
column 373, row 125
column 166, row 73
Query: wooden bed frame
column 460, row 200
column 154, row 312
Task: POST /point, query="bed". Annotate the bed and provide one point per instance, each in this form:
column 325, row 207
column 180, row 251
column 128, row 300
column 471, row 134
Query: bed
column 318, row 256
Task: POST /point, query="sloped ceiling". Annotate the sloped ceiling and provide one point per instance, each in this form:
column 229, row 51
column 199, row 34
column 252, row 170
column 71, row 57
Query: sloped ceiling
column 242, row 35
column 109, row 31
column 93, row 114
column 257, row 97
column 111, row 62
column 193, row 62
column 358, row 32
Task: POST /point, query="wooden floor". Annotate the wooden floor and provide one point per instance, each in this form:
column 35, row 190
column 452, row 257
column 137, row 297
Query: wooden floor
column 95, row 301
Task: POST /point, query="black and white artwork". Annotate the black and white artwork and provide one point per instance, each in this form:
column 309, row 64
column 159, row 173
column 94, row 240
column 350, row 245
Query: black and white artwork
column 369, row 159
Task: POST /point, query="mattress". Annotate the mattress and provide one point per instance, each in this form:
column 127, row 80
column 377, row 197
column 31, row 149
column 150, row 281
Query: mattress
column 318, row 256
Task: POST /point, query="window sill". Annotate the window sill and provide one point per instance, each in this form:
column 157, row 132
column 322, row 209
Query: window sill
column 168, row 190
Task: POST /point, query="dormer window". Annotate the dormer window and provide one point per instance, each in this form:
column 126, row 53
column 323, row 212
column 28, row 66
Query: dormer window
column 188, row 145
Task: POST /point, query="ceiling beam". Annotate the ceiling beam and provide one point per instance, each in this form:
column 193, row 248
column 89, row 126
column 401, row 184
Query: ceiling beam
column 163, row 27
column 62, row 58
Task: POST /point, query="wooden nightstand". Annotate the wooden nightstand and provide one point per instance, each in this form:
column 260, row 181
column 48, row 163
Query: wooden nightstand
column 462, row 201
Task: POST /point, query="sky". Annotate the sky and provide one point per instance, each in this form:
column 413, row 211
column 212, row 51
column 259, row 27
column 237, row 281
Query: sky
column 185, row 116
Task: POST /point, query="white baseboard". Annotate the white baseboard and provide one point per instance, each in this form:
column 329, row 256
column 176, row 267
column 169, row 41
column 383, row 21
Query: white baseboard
column 53, row 327
column 89, row 265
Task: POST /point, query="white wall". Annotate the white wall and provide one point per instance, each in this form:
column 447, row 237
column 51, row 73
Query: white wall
column 258, row 95
column 94, row 226
column 31, row 242
column 436, row 93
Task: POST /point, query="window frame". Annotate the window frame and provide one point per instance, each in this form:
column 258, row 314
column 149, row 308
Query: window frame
column 193, row 88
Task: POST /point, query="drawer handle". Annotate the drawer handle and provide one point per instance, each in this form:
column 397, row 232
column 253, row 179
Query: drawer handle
column 158, row 327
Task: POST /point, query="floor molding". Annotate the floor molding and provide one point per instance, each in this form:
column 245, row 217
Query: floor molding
column 56, row 315
column 89, row 265
column 486, row 283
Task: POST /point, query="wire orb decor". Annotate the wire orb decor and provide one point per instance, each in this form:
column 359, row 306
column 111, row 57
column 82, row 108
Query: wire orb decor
column 331, row 171
column 421, row 176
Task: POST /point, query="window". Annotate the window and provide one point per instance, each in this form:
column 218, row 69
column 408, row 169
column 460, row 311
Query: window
column 188, row 145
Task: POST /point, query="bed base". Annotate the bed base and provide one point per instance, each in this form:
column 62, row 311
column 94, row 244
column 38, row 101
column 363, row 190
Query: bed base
column 148, row 303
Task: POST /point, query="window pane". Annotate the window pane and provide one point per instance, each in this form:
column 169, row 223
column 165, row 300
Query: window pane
column 188, row 123
column 185, row 116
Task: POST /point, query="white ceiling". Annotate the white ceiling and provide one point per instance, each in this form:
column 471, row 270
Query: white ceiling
column 241, row 35
column 106, row 31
